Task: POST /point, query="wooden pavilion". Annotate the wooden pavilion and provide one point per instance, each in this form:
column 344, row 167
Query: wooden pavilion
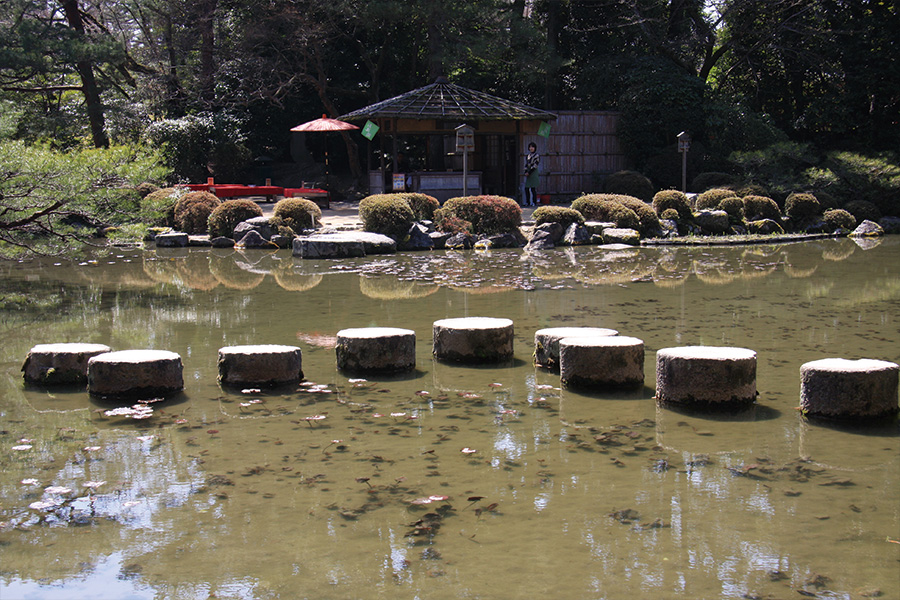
column 427, row 119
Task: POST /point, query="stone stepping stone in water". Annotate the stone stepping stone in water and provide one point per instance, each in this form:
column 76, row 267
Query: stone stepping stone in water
column 706, row 377
column 263, row 365
column 601, row 362
column 546, row 342
column 343, row 245
column 135, row 374
column 473, row 340
column 849, row 389
column 60, row 364
column 376, row 350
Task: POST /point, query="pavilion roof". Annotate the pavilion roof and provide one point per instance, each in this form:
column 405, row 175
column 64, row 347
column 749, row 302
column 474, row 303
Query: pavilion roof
column 444, row 100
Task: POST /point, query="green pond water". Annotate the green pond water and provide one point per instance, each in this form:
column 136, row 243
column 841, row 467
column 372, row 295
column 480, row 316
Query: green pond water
column 235, row 494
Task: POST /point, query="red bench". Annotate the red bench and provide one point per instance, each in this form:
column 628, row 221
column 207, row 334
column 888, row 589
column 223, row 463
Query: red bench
column 317, row 195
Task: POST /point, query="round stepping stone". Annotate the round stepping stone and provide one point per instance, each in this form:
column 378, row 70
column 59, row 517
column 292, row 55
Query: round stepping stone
column 473, row 340
column 376, row 349
column 709, row 377
column 263, row 365
column 546, row 343
column 135, row 374
column 601, row 362
column 849, row 389
column 60, row 364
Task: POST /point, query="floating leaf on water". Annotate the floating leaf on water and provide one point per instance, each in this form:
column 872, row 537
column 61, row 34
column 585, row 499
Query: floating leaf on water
column 212, row 431
column 24, row 440
column 22, row 447
column 543, row 386
column 377, row 415
column 357, row 380
column 30, row 481
column 398, row 414
column 93, row 484
column 314, row 418
column 423, row 393
column 420, row 501
column 468, row 450
column 57, row 489
column 495, row 385
column 438, row 498
column 251, row 391
column 92, row 448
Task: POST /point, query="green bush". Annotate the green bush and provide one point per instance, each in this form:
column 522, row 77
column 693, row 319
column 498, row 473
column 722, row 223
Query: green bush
column 733, row 205
column 444, row 221
column 605, row 207
column 158, row 208
column 226, row 216
column 761, row 207
column 422, row 205
column 146, row 188
column 298, row 213
column 557, row 214
column 711, row 198
column 801, row 206
column 388, row 214
column 487, row 214
column 839, row 219
column 192, row 211
column 827, row 201
column 649, row 220
column 710, row 180
column 629, row 183
column 672, row 199
column 670, row 214
column 753, row 189
column 863, row 210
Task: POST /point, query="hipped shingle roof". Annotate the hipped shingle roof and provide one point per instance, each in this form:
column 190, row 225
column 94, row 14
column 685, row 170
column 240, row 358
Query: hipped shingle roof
column 444, row 100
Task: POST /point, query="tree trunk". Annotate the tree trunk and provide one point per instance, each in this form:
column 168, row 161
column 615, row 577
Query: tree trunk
column 88, row 82
column 207, row 49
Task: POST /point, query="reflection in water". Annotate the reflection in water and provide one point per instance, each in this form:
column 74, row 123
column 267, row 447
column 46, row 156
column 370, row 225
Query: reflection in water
column 454, row 481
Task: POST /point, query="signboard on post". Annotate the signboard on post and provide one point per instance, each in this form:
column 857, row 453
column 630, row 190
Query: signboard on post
column 465, row 143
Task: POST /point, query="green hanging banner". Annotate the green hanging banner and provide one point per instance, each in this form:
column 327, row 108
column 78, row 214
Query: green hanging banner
column 369, row 130
column 544, row 129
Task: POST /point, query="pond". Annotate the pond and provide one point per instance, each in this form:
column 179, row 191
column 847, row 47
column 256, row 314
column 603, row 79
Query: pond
column 451, row 481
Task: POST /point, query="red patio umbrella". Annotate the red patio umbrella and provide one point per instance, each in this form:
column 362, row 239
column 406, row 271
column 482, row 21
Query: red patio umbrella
column 324, row 124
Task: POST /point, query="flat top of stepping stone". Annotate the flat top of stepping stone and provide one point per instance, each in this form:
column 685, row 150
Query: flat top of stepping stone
column 564, row 332
column 70, row 347
column 135, row 356
column 374, row 332
column 708, row 352
column 474, row 323
column 843, row 365
column 260, row 349
column 606, row 341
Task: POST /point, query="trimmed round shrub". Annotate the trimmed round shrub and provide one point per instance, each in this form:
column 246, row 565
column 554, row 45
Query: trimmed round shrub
column 712, row 179
column 827, row 201
column 670, row 214
column 604, row 207
column 800, row 206
column 557, row 214
column 863, row 210
column 838, row 218
column 753, row 189
column 733, row 205
column 298, row 213
column 226, row 216
column 629, row 183
column 444, row 221
column 145, row 189
column 158, row 208
column 761, row 207
column 648, row 218
column 487, row 214
column 672, row 199
column 711, row 198
column 193, row 210
column 388, row 214
column 422, row 205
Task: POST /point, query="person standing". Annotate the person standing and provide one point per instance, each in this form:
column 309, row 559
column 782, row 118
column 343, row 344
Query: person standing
column 532, row 163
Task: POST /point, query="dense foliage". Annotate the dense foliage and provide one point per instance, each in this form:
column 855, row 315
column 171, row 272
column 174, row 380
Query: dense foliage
column 487, row 214
column 557, row 214
column 388, row 214
column 226, row 216
column 298, row 213
column 192, row 212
